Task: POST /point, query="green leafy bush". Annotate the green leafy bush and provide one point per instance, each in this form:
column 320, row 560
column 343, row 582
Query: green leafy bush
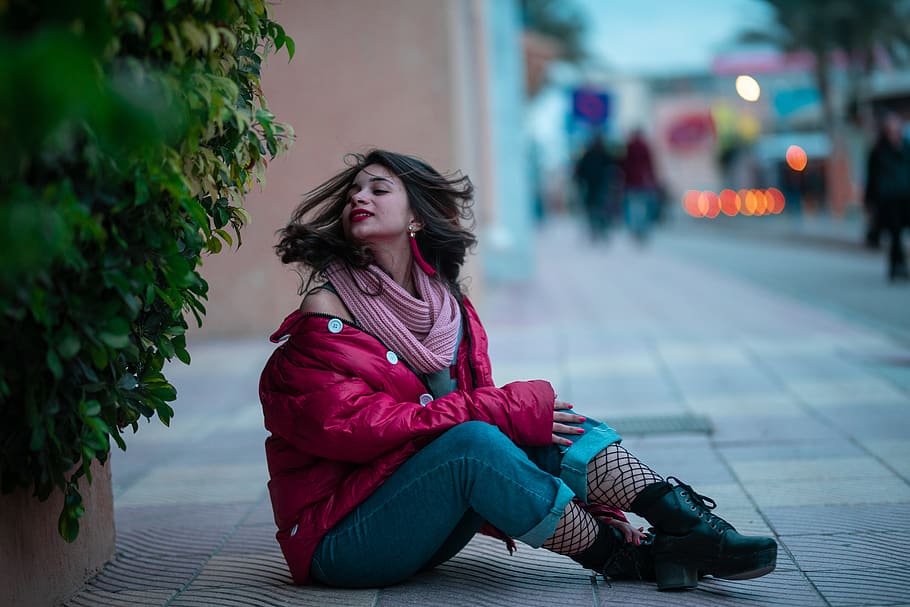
column 131, row 130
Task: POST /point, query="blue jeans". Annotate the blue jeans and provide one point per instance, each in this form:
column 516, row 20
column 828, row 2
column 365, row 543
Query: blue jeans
column 432, row 506
column 640, row 207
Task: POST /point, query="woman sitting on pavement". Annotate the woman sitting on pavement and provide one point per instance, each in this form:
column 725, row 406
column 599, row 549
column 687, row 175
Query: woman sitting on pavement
column 391, row 447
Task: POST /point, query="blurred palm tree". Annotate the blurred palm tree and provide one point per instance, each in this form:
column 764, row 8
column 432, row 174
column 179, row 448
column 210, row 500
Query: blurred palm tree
column 861, row 36
column 553, row 31
column 561, row 21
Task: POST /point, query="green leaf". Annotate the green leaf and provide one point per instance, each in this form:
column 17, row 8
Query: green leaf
column 53, row 363
column 115, row 332
column 68, row 526
column 92, row 407
column 69, row 344
column 165, row 392
column 165, row 413
column 127, row 381
column 166, row 347
column 291, row 46
column 99, row 356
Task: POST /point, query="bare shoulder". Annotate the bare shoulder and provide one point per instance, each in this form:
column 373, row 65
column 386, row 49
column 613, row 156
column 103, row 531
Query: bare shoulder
column 323, row 301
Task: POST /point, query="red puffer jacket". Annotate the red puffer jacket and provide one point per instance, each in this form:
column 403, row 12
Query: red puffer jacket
column 344, row 412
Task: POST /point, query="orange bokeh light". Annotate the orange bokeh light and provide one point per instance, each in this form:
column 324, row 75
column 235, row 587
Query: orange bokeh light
column 713, row 209
column 690, row 203
column 744, row 207
column 761, row 202
column 730, row 202
column 754, row 202
column 778, row 200
column 796, row 158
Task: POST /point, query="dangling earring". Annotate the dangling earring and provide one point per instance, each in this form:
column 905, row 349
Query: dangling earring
column 418, row 258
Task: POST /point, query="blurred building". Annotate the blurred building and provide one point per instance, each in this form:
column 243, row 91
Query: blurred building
column 442, row 80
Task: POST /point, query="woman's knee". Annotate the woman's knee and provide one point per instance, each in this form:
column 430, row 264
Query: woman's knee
column 475, row 437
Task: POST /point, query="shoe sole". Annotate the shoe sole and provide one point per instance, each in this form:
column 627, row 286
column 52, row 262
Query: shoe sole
column 678, row 576
column 760, row 564
column 748, row 575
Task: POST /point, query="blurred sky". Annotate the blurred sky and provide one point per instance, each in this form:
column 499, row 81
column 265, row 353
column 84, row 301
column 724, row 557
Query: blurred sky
column 667, row 36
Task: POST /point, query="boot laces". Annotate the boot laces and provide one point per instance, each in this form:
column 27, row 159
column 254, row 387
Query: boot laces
column 703, row 505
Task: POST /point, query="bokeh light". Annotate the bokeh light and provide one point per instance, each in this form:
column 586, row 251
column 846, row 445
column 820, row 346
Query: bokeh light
column 753, row 202
column 748, row 88
column 797, row 158
column 761, row 202
column 713, row 201
column 730, row 202
column 777, row 199
column 690, row 203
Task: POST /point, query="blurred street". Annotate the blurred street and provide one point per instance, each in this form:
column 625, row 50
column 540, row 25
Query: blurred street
column 773, row 376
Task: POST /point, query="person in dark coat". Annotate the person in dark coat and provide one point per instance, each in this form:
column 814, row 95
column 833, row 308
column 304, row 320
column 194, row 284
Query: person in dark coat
column 593, row 173
column 888, row 189
column 640, row 185
column 390, row 446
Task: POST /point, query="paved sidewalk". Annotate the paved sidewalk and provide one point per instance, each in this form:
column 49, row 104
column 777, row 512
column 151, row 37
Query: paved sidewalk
column 820, row 229
column 795, row 422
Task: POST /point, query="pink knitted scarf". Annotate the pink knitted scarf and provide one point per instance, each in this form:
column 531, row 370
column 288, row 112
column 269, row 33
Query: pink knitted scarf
column 424, row 331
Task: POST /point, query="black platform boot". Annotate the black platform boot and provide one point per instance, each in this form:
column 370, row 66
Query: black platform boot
column 690, row 541
column 615, row 558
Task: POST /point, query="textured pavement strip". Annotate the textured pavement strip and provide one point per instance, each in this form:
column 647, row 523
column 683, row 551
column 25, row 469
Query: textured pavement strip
column 803, row 434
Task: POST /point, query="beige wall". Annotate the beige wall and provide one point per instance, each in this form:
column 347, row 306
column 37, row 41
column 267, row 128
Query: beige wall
column 37, row 568
column 397, row 74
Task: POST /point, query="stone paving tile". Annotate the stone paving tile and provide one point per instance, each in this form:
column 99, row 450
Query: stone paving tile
column 261, row 513
column 791, row 450
column 895, row 452
column 769, row 494
column 849, row 587
column 220, row 515
column 212, row 483
column 122, row 598
column 485, row 574
column 824, row 468
column 172, row 538
column 871, row 420
column 243, row 569
column 257, row 596
column 789, row 589
column 834, row 392
column 162, row 572
column 869, row 549
column 764, row 401
column 769, row 427
column 618, row 365
column 834, row 519
column 252, row 539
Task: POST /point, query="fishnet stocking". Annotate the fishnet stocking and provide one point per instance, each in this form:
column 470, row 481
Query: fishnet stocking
column 576, row 531
column 615, row 477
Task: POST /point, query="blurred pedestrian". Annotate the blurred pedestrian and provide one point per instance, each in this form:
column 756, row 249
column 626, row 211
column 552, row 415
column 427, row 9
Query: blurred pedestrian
column 390, row 446
column 593, row 173
column 888, row 189
column 641, row 189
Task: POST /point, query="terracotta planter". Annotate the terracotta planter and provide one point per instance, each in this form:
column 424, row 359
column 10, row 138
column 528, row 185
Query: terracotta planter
column 36, row 566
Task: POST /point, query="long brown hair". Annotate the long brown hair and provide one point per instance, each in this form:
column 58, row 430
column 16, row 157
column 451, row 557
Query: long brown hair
column 314, row 237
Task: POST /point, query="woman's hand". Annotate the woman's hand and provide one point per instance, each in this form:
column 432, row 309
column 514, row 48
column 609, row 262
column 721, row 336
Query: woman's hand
column 560, row 419
column 631, row 534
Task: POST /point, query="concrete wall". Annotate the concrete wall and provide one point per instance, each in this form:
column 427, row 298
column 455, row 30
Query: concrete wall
column 397, row 74
column 37, row 568
column 507, row 243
